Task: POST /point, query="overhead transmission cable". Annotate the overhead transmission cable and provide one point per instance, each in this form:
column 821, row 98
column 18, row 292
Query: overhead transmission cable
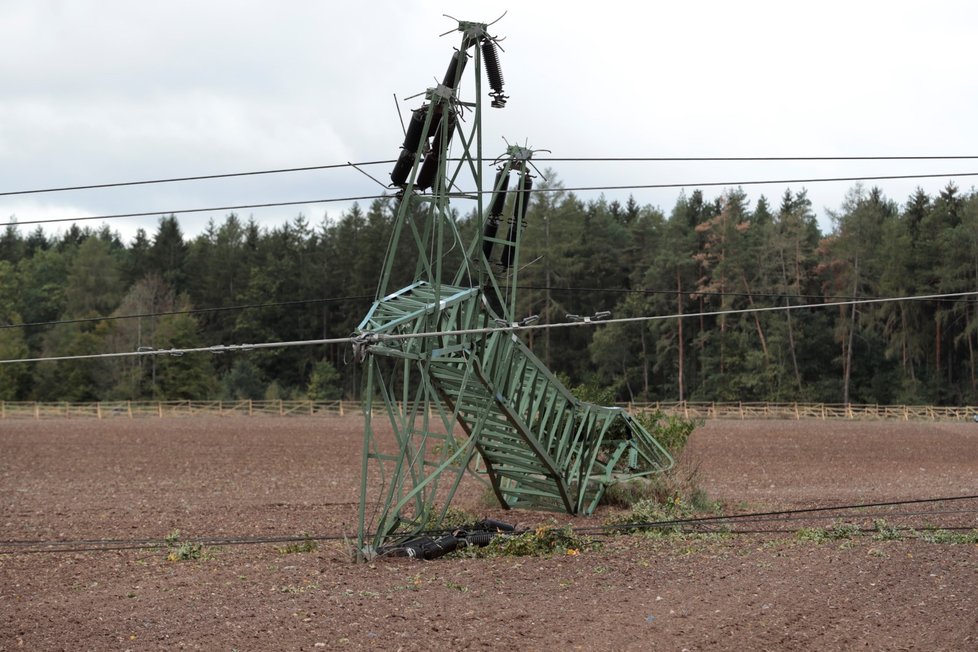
column 202, row 177
column 366, row 339
column 588, row 159
column 474, row 193
column 364, row 297
column 191, row 311
column 740, row 159
column 34, row 546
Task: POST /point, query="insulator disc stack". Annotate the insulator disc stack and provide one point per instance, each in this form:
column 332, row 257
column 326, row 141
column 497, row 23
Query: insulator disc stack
column 429, row 168
column 413, row 138
column 455, row 69
column 518, row 220
column 495, row 212
column 490, row 58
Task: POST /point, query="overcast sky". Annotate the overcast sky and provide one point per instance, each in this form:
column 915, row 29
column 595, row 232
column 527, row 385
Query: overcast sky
column 111, row 90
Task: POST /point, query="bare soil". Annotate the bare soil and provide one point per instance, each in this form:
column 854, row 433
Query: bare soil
column 142, row 480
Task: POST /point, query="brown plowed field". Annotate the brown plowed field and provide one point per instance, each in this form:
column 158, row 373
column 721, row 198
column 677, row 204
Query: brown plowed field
column 137, row 480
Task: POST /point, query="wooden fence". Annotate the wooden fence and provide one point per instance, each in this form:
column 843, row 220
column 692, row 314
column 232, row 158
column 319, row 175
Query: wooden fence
column 281, row 408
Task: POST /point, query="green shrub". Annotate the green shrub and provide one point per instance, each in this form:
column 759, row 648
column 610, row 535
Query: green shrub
column 672, row 432
column 544, row 540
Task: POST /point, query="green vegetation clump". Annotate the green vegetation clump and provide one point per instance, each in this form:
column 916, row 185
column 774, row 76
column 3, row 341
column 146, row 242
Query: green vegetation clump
column 184, row 550
column 672, row 432
column 189, row 552
column 675, row 488
column 293, row 547
column 838, row 531
column 884, row 531
column 949, row 537
column 546, row 540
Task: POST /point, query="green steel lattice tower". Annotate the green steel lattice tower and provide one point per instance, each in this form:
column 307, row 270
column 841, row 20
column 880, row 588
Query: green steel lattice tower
column 453, row 385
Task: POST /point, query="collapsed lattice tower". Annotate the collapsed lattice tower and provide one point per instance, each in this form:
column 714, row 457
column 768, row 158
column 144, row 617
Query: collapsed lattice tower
column 444, row 363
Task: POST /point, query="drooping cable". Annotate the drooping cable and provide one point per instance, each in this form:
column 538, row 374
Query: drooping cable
column 192, row 311
column 202, row 177
column 473, row 193
column 583, row 159
column 33, row 546
column 364, row 340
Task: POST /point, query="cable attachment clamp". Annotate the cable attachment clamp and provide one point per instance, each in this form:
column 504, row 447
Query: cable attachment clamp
column 361, row 343
column 587, row 319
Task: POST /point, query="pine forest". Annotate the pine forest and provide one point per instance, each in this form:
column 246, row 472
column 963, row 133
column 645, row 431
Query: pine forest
column 715, row 277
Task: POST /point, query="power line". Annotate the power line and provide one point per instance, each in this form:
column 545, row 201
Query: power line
column 203, row 177
column 363, row 297
column 367, row 339
column 191, row 311
column 567, row 159
column 33, row 546
column 194, row 210
column 659, row 186
column 218, row 348
column 471, row 194
column 111, row 545
column 743, row 295
column 777, row 514
column 737, row 159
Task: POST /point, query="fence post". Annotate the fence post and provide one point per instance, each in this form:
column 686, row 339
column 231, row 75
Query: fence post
column 341, row 407
column 281, row 408
column 129, row 408
column 98, row 409
column 251, row 408
column 159, row 408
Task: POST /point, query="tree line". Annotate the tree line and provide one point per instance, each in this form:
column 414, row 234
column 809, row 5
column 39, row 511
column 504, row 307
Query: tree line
column 718, row 276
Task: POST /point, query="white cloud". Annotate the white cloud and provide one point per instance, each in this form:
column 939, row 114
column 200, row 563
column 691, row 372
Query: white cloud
column 113, row 90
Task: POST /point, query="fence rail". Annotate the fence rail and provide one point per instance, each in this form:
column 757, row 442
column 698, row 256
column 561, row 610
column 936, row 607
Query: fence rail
column 282, row 408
